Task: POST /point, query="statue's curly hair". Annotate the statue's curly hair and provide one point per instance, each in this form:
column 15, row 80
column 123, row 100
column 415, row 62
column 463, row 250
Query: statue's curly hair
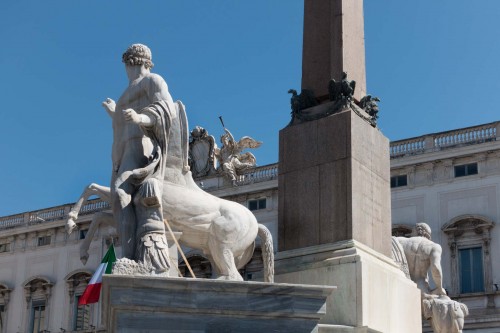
column 424, row 230
column 138, row 54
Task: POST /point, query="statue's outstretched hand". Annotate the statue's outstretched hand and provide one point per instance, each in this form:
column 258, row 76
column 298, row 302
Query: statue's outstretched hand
column 109, row 105
column 132, row 116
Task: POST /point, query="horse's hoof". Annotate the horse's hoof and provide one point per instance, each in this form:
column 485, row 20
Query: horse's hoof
column 84, row 259
column 70, row 226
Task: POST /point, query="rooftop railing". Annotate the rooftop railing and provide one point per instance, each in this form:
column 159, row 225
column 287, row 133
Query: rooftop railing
column 407, row 147
column 258, row 174
column 50, row 214
column 250, row 176
column 444, row 140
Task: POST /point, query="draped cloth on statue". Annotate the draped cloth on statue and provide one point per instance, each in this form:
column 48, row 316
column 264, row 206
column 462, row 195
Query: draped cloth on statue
column 152, row 248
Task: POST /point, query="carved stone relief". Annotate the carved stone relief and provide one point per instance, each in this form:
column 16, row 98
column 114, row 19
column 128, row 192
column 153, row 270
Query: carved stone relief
column 202, row 153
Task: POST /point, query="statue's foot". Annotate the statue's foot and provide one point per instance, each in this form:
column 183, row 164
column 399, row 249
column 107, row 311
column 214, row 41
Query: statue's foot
column 70, row 226
column 438, row 291
column 84, row 257
column 232, row 277
column 224, row 277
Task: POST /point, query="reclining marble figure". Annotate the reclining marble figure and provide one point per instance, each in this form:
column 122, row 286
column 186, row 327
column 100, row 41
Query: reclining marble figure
column 151, row 181
column 422, row 255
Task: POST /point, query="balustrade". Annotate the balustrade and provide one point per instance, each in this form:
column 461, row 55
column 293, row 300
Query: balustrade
column 52, row 214
column 438, row 141
column 93, row 206
column 258, row 174
column 407, row 147
column 431, row 142
column 11, row 221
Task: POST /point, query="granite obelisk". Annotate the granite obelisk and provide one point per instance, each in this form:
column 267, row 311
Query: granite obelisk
column 334, row 210
column 334, row 171
column 333, row 42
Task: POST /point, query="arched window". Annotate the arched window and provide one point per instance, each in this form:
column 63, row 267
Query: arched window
column 401, row 230
column 4, row 302
column 201, row 266
column 80, row 318
column 469, row 239
column 37, row 291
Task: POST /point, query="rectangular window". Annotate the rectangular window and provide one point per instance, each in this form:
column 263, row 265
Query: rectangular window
column 82, row 316
column 2, row 317
column 465, row 170
column 45, row 240
column 37, row 317
column 257, row 204
column 471, row 270
column 398, row 181
column 4, row 248
column 83, row 233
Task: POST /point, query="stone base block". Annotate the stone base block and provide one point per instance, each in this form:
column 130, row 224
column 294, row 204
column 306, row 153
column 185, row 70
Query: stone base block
column 152, row 304
column 373, row 294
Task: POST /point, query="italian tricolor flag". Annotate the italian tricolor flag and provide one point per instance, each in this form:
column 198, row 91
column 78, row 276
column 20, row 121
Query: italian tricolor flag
column 93, row 290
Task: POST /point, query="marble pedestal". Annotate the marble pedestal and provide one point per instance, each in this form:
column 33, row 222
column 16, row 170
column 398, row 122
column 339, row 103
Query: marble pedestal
column 151, row 304
column 373, row 294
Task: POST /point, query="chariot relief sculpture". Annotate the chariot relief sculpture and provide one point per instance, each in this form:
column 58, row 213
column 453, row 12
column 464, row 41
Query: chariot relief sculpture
column 416, row 257
column 151, row 182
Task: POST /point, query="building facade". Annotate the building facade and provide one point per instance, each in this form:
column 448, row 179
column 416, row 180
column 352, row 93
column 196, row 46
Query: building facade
column 450, row 180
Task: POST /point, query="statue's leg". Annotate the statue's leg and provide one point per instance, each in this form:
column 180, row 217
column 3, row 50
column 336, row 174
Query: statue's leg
column 151, row 245
column 219, row 242
column 125, row 218
column 99, row 219
column 229, row 169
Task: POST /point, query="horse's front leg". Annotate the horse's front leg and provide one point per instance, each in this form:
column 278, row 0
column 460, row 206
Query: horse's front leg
column 102, row 192
column 99, row 220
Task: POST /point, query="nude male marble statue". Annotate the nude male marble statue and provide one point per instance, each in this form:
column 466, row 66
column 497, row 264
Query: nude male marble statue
column 423, row 254
column 151, row 183
column 420, row 256
column 138, row 164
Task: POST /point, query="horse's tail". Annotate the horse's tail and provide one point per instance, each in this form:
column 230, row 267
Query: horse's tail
column 267, row 252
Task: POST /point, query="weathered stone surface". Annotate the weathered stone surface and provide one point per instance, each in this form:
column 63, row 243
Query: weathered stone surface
column 373, row 295
column 334, row 184
column 149, row 304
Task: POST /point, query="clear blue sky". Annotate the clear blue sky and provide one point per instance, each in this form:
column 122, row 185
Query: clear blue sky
column 434, row 64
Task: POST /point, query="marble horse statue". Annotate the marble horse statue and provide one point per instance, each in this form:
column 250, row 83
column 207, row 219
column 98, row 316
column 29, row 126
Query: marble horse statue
column 151, row 181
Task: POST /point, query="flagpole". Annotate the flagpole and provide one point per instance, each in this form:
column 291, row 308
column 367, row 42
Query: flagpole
column 179, row 248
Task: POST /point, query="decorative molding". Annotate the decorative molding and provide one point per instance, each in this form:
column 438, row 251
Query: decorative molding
column 465, row 230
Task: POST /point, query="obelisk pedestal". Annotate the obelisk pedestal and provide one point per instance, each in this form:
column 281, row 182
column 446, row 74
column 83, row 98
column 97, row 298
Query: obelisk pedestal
column 334, row 184
column 335, row 224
